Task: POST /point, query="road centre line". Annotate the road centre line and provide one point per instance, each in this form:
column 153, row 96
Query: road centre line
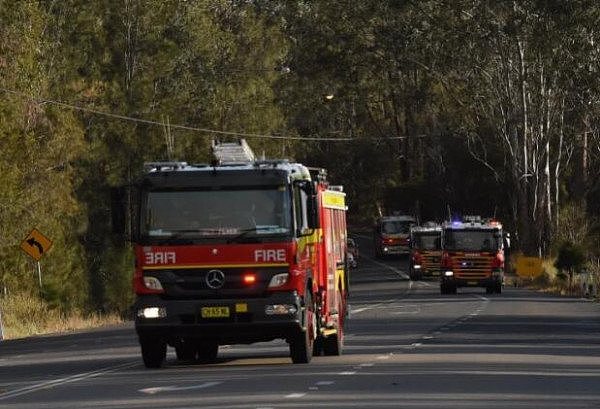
column 62, row 381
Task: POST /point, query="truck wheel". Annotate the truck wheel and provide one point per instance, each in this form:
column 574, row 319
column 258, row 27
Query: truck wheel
column 154, row 351
column 318, row 346
column 186, row 350
column 334, row 344
column 207, row 351
column 301, row 344
column 443, row 289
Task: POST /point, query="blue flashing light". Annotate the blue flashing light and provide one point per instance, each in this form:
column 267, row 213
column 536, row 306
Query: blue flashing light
column 456, row 223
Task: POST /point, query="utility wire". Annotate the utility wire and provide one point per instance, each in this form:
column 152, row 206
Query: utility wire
column 183, row 127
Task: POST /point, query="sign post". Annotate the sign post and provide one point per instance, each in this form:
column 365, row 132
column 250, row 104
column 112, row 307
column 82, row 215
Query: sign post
column 36, row 245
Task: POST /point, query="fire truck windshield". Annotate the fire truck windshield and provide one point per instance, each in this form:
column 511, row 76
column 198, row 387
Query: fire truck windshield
column 217, row 213
column 395, row 227
column 426, row 241
column 472, row 240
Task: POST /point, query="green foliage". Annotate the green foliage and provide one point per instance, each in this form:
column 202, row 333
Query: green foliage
column 571, row 257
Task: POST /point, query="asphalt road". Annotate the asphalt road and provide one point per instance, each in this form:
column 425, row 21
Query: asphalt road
column 406, row 347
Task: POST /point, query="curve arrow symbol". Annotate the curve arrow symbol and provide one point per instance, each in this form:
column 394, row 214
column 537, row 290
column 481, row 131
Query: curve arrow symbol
column 33, row 242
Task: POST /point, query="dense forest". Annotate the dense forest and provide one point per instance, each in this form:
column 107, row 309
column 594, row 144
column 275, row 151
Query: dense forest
column 429, row 106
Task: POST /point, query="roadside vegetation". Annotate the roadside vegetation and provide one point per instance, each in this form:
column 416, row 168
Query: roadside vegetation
column 27, row 314
column 472, row 107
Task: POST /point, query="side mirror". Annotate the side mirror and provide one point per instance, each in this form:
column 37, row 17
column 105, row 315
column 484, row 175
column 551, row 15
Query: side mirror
column 312, row 208
column 507, row 240
column 312, row 212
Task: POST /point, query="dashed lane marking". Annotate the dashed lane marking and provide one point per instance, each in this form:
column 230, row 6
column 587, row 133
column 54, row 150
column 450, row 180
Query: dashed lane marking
column 295, row 395
column 347, row 373
column 325, row 383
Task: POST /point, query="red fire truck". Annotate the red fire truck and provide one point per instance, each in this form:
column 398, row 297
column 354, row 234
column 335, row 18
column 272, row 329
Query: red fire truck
column 239, row 252
column 473, row 255
column 392, row 235
column 426, row 251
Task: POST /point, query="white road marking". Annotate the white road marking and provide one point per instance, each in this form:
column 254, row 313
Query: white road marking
column 347, row 373
column 152, row 391
column 295, row 395
column 383, row 357
column 417, row 344
column 313, row 388
column 325, row 383
column 62, row 381
column 427, row 337
column 367, row 365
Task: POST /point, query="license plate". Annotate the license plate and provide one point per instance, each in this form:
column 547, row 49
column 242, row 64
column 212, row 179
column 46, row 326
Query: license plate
column 472, row 283
column 214, row 312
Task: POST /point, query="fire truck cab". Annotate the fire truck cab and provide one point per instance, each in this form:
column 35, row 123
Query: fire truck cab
column 473, row 255
column 425, row 251
column 239, row 252
column 392, row 235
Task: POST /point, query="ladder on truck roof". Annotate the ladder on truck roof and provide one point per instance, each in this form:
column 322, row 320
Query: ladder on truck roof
column 232, row 153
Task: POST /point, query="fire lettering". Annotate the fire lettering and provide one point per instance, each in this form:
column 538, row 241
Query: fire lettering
column 160, row 257
column 269, row 255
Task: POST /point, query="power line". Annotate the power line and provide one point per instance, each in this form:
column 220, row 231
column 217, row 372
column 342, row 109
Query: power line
column 185, row 127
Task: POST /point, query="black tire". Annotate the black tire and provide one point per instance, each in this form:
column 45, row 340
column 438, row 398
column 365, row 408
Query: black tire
column 443, row 289
column 318, row 346
column 154, row 352
column 454, row 290
column 186, row 350
column 490, row 289
column 207, row 351
column 302, row 343
column 334, row 344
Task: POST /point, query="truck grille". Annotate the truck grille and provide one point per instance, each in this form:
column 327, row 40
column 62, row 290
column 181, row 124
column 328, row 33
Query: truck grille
column 192, row 283
column 472, row 267
column 430, row 262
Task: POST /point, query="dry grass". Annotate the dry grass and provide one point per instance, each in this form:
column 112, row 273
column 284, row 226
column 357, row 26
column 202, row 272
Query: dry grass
column 24, row 315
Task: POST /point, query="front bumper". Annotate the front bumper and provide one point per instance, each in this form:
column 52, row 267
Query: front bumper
column 395, row 249
column 490, row 281
column 247, row 321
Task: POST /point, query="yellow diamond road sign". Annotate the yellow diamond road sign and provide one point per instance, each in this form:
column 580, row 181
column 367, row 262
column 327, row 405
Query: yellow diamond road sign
column 36, row 244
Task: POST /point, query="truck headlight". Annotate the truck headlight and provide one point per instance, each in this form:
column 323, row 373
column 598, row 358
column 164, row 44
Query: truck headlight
column 152, row 312
column 417, row 266
column 449, row 273
column 152, row 283
column 278, row 280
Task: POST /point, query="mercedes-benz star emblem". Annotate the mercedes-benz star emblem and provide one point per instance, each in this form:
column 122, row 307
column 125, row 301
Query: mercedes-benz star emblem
column 215, row 279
